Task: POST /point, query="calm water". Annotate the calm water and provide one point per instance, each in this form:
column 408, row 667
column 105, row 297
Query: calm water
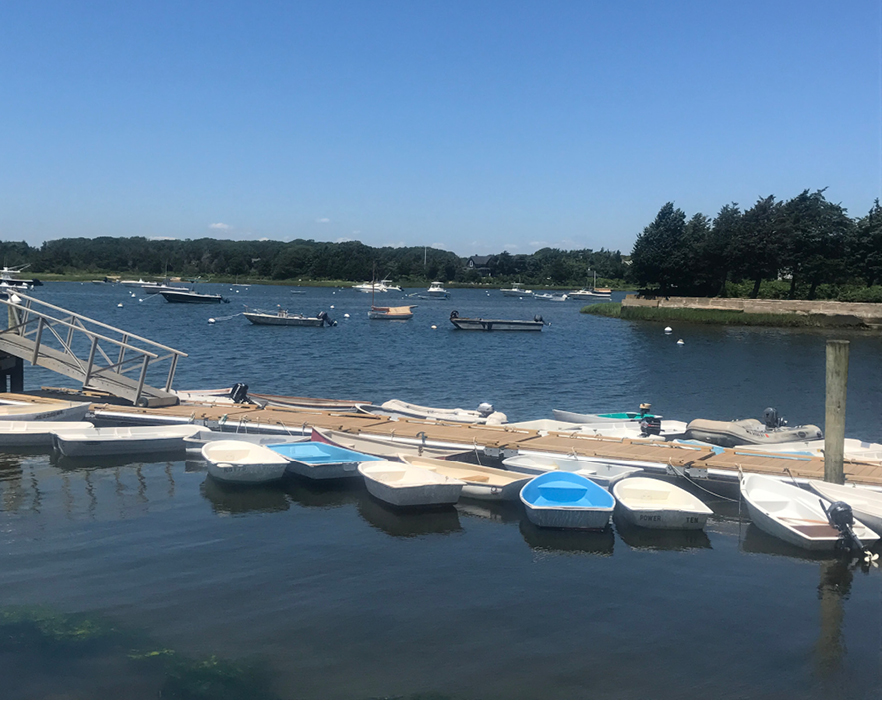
column 308, row 591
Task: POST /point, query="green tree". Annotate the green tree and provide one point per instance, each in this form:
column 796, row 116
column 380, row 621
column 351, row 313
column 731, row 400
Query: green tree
column 755, row 246
column 864, row 246
column 658, row 254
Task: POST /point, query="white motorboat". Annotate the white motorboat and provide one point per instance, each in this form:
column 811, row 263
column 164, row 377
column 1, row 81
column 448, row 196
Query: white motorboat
column 234, row 461
column 189, row 296
column 551, row 297
column 384, row 286
column 399, row 312
column 659, row 505
column 794, row 515
column 319, row 461
column 437, row 290
column 386, row 447
column 34, row 433
column 194, row 443
column 488, row 325
column 56, row 411
column 104, row 441
column 516, row 291
column 481, row 482
column 483, row 415
column 404, row 485
column 566, row 500
column 866, row 504
column 603, row 473
column 287, row 319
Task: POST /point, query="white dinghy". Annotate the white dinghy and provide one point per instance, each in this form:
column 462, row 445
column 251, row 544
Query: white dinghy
column 233, row 461
column 659, row 505
column 404, row 485
column 866, row 504
column 55, row 411
column 603, row 473
column 794, row 515
column 104, row 441
column 386, row 447
column 481, row 482
column 195, row 442
column 34, row 433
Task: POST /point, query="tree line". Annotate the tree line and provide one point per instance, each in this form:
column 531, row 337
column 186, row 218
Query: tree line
column 801, row 245
column 305, row 260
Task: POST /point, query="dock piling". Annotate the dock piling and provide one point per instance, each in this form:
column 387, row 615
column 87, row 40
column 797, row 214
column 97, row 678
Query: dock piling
column 834, row 421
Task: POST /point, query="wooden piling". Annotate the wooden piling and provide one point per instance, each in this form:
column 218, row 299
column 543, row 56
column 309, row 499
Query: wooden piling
column 834, row 422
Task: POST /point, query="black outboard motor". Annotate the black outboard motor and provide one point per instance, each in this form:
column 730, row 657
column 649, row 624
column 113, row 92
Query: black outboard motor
column 771, row 419
column 650, row 426
column 239, row 393
column 327, row 320
column 840, row 516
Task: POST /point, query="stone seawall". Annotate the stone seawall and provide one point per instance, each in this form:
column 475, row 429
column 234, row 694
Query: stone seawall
column 867, row 313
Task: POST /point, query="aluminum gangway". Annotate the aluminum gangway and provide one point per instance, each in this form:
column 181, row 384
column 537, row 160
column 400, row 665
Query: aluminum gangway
column 101, row 357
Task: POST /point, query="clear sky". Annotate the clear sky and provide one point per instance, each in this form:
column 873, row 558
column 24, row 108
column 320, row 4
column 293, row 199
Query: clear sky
column 470, row 125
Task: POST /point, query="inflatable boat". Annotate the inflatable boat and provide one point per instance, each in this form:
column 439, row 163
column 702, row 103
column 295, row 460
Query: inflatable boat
column 771, row 430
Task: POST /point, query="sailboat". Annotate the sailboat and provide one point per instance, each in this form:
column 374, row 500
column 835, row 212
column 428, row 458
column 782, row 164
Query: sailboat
column 594, row 293
column 397, row 312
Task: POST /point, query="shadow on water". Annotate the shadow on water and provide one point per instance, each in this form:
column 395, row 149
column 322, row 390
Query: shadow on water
column 414, row 522
column 660, row 540
column 59, row 655
column 497, row 511
column 333, row 493
column 115, row 461
column 544, row 539
column 229, row 499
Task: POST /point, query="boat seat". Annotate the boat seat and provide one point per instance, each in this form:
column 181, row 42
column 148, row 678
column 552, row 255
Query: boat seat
column 475, row 478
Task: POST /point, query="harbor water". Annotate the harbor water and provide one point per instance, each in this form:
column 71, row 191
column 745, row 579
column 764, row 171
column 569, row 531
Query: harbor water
column 141, row 577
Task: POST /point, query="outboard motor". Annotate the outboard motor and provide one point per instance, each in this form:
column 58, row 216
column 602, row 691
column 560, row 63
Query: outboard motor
column 239, row 393
column 485, row 409
column 840, row 517
column 650, row 426
column 538, row 318
column 771, row 419
column 327, row 320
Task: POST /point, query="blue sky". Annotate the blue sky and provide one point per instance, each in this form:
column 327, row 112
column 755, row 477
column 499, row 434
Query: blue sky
column 476, row 126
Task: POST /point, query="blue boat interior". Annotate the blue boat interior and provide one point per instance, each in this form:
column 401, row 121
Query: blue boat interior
column 319, row 453
column 566, row 489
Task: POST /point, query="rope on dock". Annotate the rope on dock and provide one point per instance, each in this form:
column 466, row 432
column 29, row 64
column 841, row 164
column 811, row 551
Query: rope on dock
column 682, row 474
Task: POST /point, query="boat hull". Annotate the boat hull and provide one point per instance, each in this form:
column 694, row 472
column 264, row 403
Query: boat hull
column 568, row 518
column 247, row 473
column 413, row 496
column 658, row 505
column 34, row 434
column 481, row 325
column 283, row 320
column 566, row 500
column 110, row 441
column 34, row 412
column 731, row 434
column 187, row 297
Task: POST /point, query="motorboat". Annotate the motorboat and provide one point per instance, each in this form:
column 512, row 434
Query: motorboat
column 605, row 418
column 795, row 515
column 566, row 500
column 189, row 296
column 593, row 293
column 405, row 485
column 383, row 286
column 659, row 505
column 437, row 290
column 516, row 291
column 35, row 433
column 105, row 441
column 866, row 504
column 485, row 414
column 9, row 276
column 234, row 461
column 319, row 461
column 48, row 410
column 489, row 325
column 194, row 443
column 603, row 473
column 551, row 297
column 386, row 447
column 286, row 319
column 481, row 482
column 772, row 430
column 399, row 312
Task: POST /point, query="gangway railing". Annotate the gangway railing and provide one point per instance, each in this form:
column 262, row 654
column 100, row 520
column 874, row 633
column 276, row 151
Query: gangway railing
column 115, row 361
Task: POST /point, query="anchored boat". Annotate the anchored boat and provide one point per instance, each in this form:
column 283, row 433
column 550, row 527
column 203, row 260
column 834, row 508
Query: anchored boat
column 285, row 319
column 488, row 325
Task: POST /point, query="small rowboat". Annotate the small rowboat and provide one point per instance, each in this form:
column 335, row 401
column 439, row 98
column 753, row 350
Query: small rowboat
column 567, row 500
column 656, row 504
column 386, row 447
column 488, row 325
column 601, row 472
column 866, row 505
column 319, row 461
column 481, row 482
column 104, row 441
column 54, row 411
column 35, row 433
column 404, row 485
column 284, row 318
column 400, row 312
column 794, row 515
column 233, row 461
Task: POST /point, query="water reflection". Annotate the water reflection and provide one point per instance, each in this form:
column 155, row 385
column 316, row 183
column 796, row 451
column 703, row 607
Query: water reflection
column 755, row 541
column 408, row 523
column 660, row 540
column 496, row 511
column 543, row 539
column 323, row 494
column 115, row 461
column 227, row 499
column 835, row 584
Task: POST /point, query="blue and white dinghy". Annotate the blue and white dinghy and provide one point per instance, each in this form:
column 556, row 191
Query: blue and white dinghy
column 320, row 461
column 567, row 500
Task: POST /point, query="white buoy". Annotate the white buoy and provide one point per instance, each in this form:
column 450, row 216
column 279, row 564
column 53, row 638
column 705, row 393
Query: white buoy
column 133, row 295
column 140, row 300
column 346, row 314
column 668, row 330
column 332, row 307
column 211, row 320
column 434, row 327
column 680, row 341
column 119, row 305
